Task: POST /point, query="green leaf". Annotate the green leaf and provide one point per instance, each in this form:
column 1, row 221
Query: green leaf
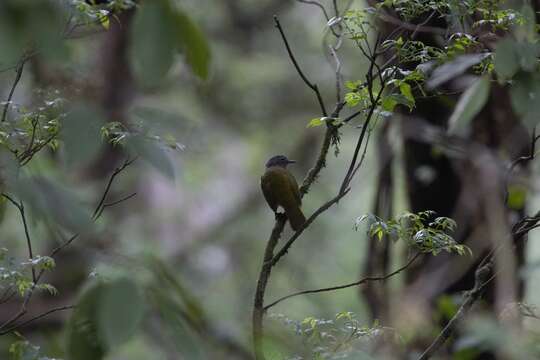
column 154, row 41
column 388, row 103
column 507, row 58
column 528, row 55
column 525, row 95
column 406, row 91
column 39, row 193
column 153, row 153
column 470, row 103
column 352, row 98
column 193, row 44
column 81, row 134
column 453, row 68
column 315, row 122
column 83, row 342
column 391, row 101
column 517, row 194
column 119, row 312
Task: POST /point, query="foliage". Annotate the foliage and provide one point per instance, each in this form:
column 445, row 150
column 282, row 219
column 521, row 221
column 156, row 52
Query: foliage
column 418, row 65
column 76, row 129
column 108, row 314
column 24, row 350
column 422, row 231
column 343, row 337
column 16, row 277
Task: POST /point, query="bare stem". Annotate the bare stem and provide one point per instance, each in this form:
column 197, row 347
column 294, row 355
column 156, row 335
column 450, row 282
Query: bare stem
column 345, row 286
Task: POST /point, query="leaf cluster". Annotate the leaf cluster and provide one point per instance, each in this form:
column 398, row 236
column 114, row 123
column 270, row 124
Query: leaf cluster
column 422, row 231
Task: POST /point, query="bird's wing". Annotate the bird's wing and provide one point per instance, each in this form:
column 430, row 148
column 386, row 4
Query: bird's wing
column 266, row 185
column 294, row 187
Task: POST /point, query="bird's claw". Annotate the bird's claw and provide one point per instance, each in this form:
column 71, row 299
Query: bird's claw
column 279, row 215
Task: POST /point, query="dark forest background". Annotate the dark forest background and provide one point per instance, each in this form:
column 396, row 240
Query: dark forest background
column 133, row 135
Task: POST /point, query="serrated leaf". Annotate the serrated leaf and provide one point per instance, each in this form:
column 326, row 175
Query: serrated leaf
column 470, row 103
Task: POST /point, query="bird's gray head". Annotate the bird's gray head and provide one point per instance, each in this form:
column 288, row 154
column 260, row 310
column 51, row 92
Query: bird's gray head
column 279, row 160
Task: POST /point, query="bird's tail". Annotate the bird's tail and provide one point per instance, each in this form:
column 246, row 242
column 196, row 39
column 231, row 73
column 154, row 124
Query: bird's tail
column 295, row 216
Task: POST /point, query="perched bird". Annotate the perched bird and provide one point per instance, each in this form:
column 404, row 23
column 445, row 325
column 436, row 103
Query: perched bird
column 281, row 189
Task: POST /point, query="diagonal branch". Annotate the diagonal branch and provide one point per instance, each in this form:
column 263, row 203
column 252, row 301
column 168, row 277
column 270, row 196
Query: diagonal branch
column 20, row 207
column 482, row 278
column 311, row 85
column 37, row 317
column 345, row 286
column 20, row 68
column 285, row 249
column 9, row 325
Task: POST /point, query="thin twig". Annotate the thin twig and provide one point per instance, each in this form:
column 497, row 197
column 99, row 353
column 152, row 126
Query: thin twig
column 118, row 170
column 308, row 222
column 420, row 28
column 338, row 73
column 20, row 68
column 37, row 317
column 484, row 275
column 482, row 278
column 23, row 309
column 518, row 161
column 20, row 207
column 116, row 202
column 311, row 85
column 345, row 286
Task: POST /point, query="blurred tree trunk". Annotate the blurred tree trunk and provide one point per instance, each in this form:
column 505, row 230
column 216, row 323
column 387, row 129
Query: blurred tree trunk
column 453, row 185
column 378, row 259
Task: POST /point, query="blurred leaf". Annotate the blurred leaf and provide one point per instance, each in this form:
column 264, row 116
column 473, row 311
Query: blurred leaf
column 82, row 338
column 391, row 101
column 446, row 306
column 159, row 119
column 28, row 23
column 470, row 103
column 315, row 122
column 406, row 91
column 517, row 194
column 45, row 25
column 453, row 68
column 528, row 55
column 81, row 134
column 193, row 44
column 184, row 338
column 163, row 272
column 524, row 94
column 50, row 201
column 119, row 312
column 153, row 153
column 506, row 58
column 154, row 41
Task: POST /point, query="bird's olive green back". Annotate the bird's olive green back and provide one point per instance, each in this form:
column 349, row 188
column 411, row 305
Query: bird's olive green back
column 280, row 187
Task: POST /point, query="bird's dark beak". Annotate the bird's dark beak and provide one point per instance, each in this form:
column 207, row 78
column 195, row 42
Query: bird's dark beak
column 291, row 161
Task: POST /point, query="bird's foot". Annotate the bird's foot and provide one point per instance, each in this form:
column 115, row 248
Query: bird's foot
column 280, row 216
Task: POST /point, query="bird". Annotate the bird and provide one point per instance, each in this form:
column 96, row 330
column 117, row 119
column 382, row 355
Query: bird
column 280, row 188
